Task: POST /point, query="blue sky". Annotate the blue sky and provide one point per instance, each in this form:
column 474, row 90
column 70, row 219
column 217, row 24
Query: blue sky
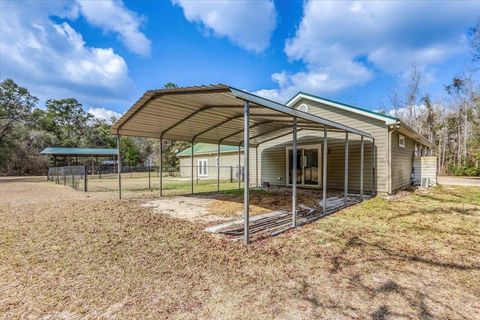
column 107, row 53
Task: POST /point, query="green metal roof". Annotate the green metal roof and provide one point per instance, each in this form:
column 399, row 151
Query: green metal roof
column 343, row 104
column 79, row 151
column 203, row 148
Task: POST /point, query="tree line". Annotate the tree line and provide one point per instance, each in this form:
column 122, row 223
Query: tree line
column 26, row 129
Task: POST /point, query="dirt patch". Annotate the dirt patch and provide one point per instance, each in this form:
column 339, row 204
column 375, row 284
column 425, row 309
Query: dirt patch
column 221, row 206
column 264, row 201
column 186, row 208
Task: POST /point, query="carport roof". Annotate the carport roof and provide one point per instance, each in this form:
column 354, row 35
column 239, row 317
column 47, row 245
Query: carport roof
column 214, row 114
column 83, row 152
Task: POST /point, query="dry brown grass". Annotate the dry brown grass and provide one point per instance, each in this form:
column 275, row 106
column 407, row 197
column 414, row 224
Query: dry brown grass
column 70, row 255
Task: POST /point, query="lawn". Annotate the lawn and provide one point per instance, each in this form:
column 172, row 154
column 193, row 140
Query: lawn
column 66, row 254
column 141, row 181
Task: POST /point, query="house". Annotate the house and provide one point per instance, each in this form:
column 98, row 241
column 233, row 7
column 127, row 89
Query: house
column 334, row 147
column 396, row 146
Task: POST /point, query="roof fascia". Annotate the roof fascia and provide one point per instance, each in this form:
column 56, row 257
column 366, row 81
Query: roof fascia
column 301, row 95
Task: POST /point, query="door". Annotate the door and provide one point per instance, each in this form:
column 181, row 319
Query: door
column 308, row 166
column 299, row 166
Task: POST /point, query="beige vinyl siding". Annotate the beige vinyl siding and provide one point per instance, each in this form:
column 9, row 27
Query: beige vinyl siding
column 336, row 165
column 227, row 160
column 273, row 161
column 402, row 162
column 273, row 165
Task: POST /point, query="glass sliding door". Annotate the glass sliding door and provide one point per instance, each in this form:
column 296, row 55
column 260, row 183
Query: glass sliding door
column 308, row 166
column 298, row 172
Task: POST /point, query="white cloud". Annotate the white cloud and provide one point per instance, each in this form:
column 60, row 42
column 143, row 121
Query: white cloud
column 248, row 24
column 113, row 16
column 52, row 59
column 343, row 44
column 104, row 114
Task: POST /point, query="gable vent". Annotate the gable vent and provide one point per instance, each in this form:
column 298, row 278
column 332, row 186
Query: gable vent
column 303, row 107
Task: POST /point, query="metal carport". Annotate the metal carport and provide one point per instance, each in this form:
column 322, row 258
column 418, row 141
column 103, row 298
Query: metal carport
column 225, row 115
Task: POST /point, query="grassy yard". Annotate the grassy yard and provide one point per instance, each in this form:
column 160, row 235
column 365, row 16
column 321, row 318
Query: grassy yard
column 73, row 255
column 140, row 182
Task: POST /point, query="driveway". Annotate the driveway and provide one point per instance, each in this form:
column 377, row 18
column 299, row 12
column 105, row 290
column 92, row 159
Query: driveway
column 459, row 181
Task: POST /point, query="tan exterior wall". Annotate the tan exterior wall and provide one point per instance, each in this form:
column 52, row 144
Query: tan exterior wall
column 273, row 160
column 228, row 165
column 402, row 162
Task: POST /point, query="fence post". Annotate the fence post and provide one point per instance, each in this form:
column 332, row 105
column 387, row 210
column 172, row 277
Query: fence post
column 64, row 179
column 149, row 183
column 85, row 183
column 231, row 174
column 73, row 180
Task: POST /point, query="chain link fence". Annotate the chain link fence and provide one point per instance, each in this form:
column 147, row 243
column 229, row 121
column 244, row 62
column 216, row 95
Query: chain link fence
column 147, row 178
column 70, row 176
column 174, row 181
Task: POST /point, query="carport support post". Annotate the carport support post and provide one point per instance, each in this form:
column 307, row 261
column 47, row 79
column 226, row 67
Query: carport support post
column 239, row 167
column 256, row 165
column 192, row 167
column 324, row 175
column 362, row 144
column 160, row 168
column 218, row 167
column 294, row 174
column 246, row 177
column 346, row 169
column 373, row 167
column 119, row 169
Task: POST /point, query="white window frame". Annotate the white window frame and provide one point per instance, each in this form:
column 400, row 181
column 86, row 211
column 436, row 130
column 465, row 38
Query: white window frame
column 202, row 164
column 401, row 141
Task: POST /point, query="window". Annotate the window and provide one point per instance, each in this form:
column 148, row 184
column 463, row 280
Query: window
column 202, row 168
column 401, row 141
